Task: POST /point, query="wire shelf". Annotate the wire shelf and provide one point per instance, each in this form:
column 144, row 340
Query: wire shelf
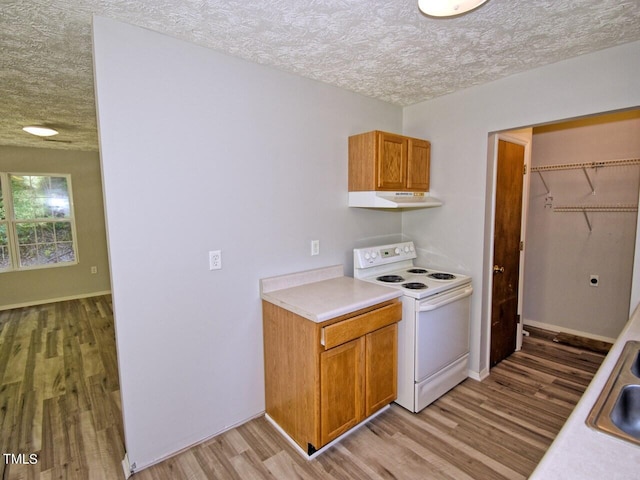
column 600, row 164
column 595, row 208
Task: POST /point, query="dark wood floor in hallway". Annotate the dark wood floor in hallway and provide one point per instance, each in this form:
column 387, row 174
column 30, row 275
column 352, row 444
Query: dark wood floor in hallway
column 59, row 399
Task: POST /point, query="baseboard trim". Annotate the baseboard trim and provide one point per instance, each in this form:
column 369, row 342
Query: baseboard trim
column 137, row 468
column 559, row 329
column 54, row 300
column 304, row 454
column 479, row 376
column 126, row 467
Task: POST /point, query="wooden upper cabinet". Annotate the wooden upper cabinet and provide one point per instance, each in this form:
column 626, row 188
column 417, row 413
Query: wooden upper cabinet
column 386, row 161
column 391, row 168
column 418, row 162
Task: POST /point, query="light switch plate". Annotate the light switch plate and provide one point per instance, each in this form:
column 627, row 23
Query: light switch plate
column 315, row 247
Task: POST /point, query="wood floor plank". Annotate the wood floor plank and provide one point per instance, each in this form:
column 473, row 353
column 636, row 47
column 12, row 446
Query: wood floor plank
column 249, row 466
column 436, row 467
column 340, row 463
column 387, row 458
column 446, row 445
column 527, row 434
column 488, row 431
column 281, row 465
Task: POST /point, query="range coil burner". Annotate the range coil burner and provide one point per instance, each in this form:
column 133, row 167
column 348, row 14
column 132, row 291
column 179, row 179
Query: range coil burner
column 442, row 276
column 390, row 278
column 414, row 285
column 417, row 270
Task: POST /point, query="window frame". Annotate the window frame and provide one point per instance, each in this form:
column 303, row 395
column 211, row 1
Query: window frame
column 11, row 223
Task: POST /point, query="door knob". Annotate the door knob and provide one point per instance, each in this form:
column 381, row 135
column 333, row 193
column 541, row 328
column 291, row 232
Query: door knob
column 497, row 269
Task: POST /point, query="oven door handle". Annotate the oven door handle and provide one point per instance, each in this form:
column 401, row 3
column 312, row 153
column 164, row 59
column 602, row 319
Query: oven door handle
column 446, row 299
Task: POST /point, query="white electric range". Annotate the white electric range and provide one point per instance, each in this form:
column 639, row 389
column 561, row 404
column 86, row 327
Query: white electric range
column 433, row 336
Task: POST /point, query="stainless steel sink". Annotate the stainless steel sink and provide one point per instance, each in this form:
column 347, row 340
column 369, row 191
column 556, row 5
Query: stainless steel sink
column 617, row 410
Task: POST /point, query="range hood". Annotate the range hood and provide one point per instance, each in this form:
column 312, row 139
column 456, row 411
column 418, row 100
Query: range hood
column 377, row 199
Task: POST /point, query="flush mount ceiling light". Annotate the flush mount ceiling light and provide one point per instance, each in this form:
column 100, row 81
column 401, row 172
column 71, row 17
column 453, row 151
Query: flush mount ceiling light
column 40, row 131
column 448, row 8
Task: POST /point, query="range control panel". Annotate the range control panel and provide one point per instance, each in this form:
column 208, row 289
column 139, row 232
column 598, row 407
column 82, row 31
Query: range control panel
column 381, row 255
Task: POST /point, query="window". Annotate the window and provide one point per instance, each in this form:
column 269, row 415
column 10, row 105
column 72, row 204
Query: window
column 37, row 229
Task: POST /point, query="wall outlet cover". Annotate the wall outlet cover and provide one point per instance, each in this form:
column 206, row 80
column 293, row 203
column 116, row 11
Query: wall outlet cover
column 215, row 260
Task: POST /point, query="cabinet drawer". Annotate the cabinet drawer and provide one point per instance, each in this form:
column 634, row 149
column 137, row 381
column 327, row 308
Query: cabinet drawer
column 342, row 332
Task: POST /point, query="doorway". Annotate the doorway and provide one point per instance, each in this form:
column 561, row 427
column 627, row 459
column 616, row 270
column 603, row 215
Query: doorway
column 58, row 353
column 556, row 292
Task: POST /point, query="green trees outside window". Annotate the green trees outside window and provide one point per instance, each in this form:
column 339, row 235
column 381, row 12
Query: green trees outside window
column 36, row 221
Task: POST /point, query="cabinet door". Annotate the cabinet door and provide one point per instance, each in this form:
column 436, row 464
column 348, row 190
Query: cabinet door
column 418, row 164
column 381, row 360
column 341, row 389
column 391, row 168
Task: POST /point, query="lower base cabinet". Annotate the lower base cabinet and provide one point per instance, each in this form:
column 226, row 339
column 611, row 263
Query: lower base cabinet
column 322, row 379
column 381, row 363
column 341, row 386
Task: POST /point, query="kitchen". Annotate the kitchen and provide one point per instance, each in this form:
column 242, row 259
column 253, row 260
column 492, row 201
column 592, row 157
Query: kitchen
column 251, row 161
column 263, row 223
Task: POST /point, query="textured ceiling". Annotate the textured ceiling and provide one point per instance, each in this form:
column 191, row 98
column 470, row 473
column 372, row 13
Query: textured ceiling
column 379, row 48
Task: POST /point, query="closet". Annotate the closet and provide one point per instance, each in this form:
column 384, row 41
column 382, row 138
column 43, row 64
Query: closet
column 581, row 225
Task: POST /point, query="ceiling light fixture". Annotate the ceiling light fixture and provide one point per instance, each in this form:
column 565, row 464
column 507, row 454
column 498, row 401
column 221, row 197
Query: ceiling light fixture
column 40, row 131
column 447, row 8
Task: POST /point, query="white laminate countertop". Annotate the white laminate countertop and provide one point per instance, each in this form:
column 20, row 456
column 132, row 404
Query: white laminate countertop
column 579, row 452
column 324, row 293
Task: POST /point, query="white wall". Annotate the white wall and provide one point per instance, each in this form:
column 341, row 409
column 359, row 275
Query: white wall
column 561, row 251
column 458, row 126
column 202, row 151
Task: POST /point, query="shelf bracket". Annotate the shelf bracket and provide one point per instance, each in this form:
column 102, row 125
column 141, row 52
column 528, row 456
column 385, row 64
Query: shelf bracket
column 593, row 190
column 586, row 217
column 544, row 183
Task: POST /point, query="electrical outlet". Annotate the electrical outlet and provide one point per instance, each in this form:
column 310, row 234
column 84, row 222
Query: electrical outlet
column 215, row 260
column 94, row 270
column 315, row 247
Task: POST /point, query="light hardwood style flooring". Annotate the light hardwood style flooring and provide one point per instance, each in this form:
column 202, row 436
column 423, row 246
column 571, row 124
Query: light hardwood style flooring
column 59, row 392
column 496, row 429
column 59, row 398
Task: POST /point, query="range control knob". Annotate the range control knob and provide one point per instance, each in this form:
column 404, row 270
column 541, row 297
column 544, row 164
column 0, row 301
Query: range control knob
column 397, row 250
column 411, row 247
column 406, row 249
column 367, row 256
column 374, row 254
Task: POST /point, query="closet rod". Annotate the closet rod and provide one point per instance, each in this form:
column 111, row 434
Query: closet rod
column 601, row 164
